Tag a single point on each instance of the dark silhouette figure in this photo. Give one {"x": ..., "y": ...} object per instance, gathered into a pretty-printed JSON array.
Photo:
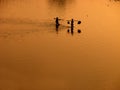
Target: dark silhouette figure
[
  {"x": 57, "y": 21},
  {"x": 72, "y": 26},
  {"x": 72, "y": 23},
  {"x": 57, "y": 24}
]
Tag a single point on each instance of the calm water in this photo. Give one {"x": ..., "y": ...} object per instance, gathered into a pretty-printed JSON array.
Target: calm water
[{"x": 36, "y": 56}]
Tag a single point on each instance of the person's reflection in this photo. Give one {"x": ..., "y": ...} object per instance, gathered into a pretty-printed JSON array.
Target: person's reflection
[
  {"x": 57, "y": 28},
  {"x": 71, "y": 22},
  {"x": 71, "y": 30},
  {"x": 72, "y": 26}
]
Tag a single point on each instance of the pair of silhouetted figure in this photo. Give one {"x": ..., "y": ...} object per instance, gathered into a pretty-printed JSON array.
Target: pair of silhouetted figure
[
  {"x": 57, "y": 22},
  {"x": 71, "y": 21}
]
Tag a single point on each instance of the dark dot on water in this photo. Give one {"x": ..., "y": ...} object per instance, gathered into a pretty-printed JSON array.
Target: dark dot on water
[
  {"x": 79, "y": 22},
  {"x": 68, "y": 30},
  {"x": 68, "y": 22},
  {"x": 79, "y": 31}
]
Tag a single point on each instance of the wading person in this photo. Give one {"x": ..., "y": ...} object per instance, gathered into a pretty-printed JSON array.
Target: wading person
[
  {"x": 57, "y": 21},
  {"x": 72, "y": 23}
]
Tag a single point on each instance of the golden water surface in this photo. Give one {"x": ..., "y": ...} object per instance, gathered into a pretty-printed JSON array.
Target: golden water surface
[{"x": 34, "y": 55}]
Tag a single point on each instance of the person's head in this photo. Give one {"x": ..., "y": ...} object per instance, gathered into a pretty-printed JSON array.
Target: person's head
[{"x": 72, "y": 20}]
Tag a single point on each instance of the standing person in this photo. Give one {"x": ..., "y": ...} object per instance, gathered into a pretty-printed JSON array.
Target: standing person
[
  {"x": 72, "y": 23},
  {"x": 72, "y": 26},
  {"x": 57, "y": 21}
]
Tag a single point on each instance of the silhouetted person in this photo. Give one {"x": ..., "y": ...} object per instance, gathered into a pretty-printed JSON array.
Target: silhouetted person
[
  {"x": 72, "y": 26},
  {"x": 57, "y": 21},
  {"x": 72, "y": 23}
]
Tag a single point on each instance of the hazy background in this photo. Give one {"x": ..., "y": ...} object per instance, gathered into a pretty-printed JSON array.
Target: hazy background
[{"x": 36, "y": 56}]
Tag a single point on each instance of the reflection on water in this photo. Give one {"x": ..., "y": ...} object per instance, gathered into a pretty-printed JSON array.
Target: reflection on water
[
  {"x": 60, "y": 3},
  {"x": 114, "y": 0},
  {"x": 35, "y": 54},
  {"x": 58, "y": 7},
  {"x": 12, "y": 27},
  {"x": 25, "y": 21},
  {"x": 22, "y": 26}
]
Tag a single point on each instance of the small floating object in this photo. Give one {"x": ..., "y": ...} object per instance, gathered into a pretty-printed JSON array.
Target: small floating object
[
  {"x": 68, "y": 22},
  {"x": 79, "y": 22},
  {"x": 68, "y": 30},
  {"x": 79, "y": 31}
]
